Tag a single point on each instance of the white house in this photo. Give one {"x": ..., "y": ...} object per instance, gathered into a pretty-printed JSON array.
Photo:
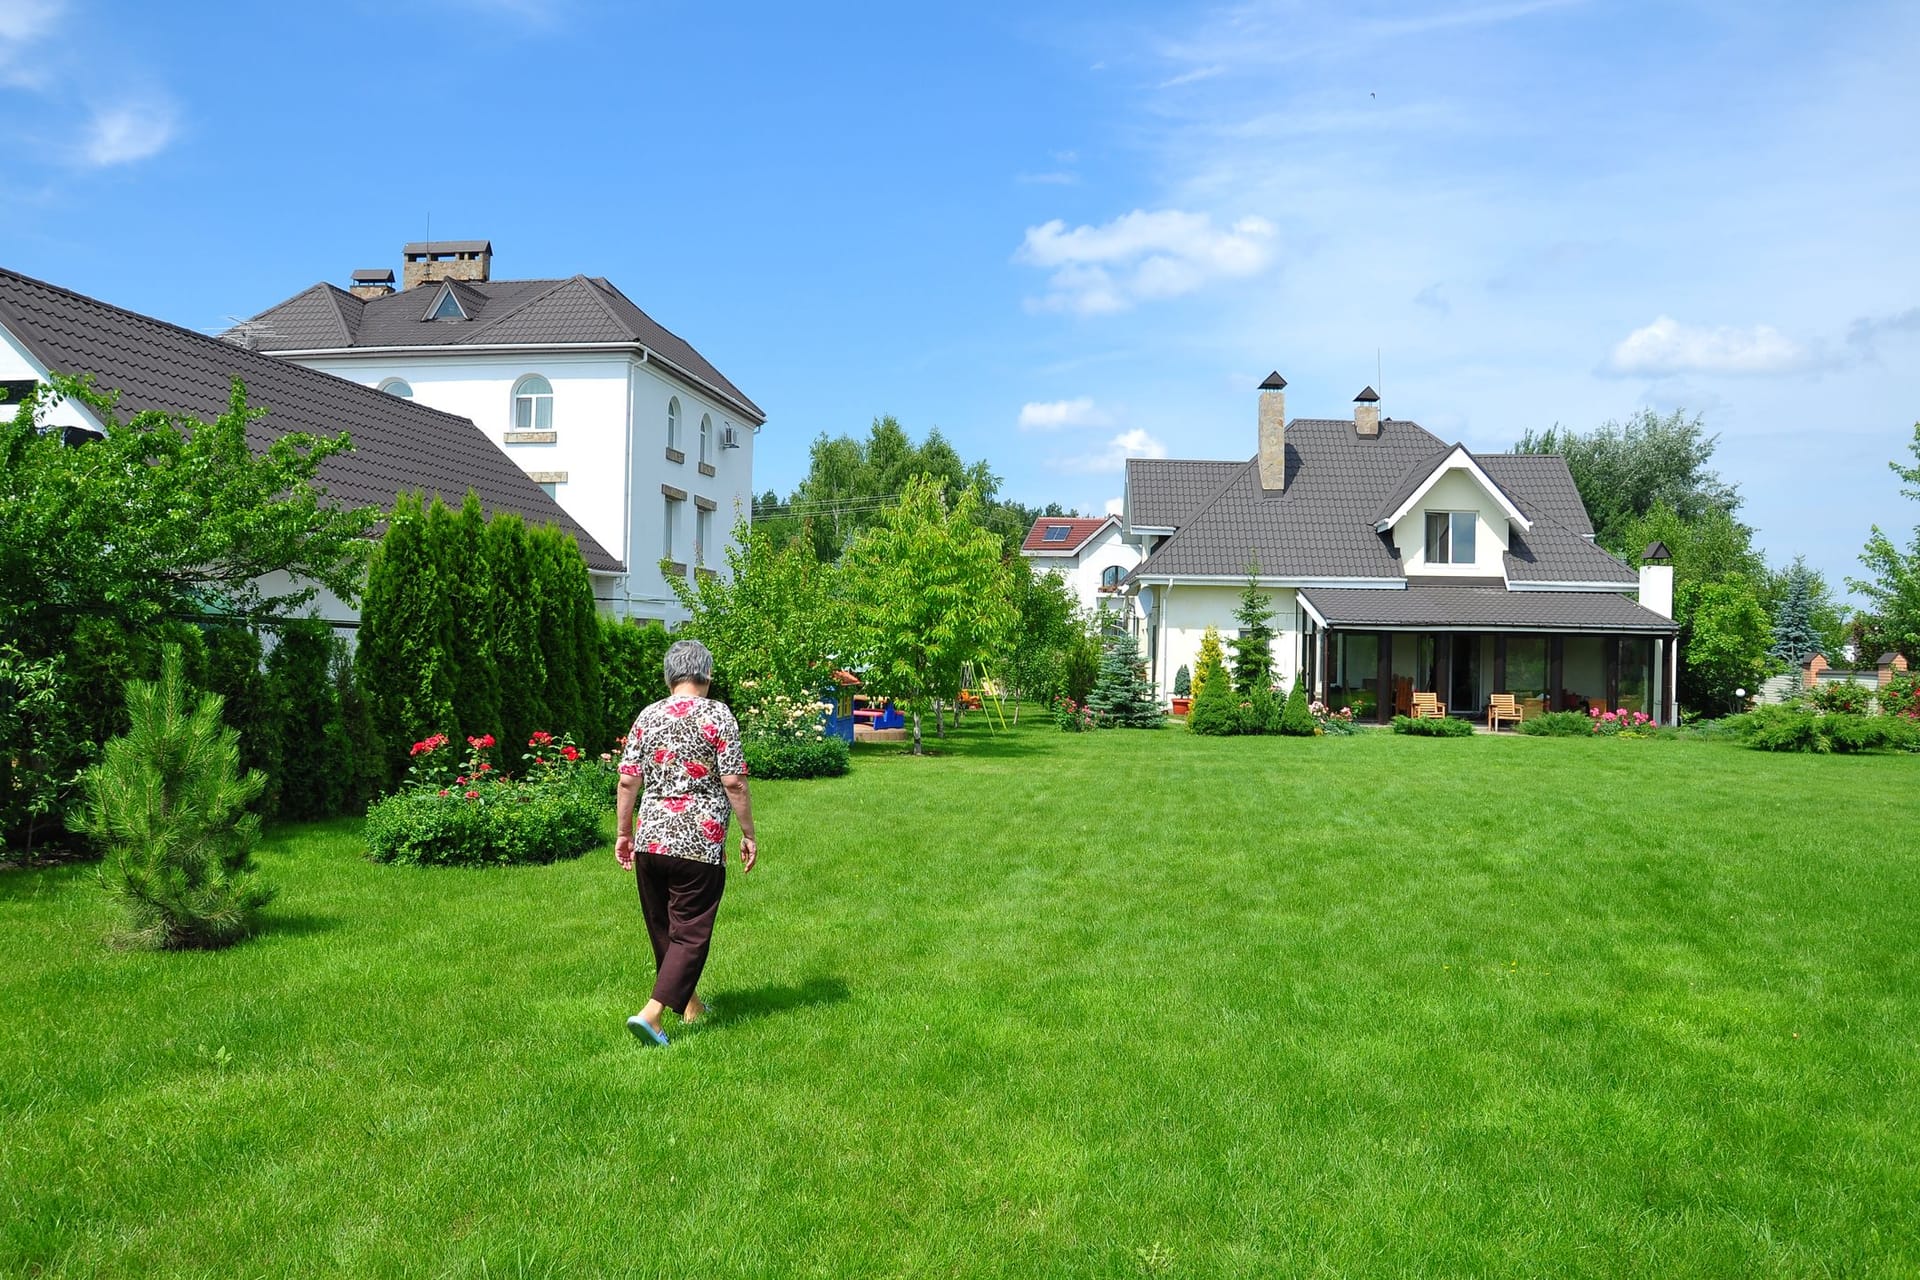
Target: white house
[
  {"x": 1091, "y": 556},
  {"x": 622, "y": 422},
  {"x": 1398, "y": 563},
  {"x": 152, "y": 365}
]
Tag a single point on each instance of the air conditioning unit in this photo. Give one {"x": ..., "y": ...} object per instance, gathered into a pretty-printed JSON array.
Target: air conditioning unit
[{"x": 729, "y": 438}]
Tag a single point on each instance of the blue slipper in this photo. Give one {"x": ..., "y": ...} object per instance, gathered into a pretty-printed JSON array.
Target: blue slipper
[{"x": 641, "y": 1031}]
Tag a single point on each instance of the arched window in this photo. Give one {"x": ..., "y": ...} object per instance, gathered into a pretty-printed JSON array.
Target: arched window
[
  {"x": 673, "y": 423},
  {"x": 706, "y": 439},
  {"x": 533, "y": 404},
  {"x": 397, "y": 387}
]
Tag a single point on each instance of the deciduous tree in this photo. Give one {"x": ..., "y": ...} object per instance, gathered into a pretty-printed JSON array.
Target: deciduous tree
[{"x": 1892, "y": 580}]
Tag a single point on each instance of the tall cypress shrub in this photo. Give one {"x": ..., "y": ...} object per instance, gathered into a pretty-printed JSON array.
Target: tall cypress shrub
[
  {"x": 236, "y": 670},
  {"x": 317, "y": 773},
  {"x": 549, "y": 551},
  {"x": 516, "y": 637},
  {"x": 406, "y": 633},
  {"x": 461, "y": 549}
]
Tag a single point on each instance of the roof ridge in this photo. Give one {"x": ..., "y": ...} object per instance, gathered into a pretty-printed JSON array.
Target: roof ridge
[
  {"x": 1206, "y": 504},
  {"x": 535, "y": 300},
  {"x": 337, "y": 296}
]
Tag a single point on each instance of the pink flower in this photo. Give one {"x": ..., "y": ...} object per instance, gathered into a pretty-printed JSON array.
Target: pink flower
[
  {"x": 676, "y": 804},
  {"x": 710, "y": 733},
  {"x": 473, "y": 795},
  {"x": 679, "y": 707},
  {"x": 714, "y": 831},
  {"x": 572, "y": 753},
  {"x": 696, "y": 769},
  {"x": 443, "y": 792},
  {"x": 662, "y": 755}
]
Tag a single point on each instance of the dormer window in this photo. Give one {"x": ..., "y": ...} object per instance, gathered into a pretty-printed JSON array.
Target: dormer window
[
  {"x": 1450, "y": 536},
  {"x": 533, "y": 404},
  {"x": 1057, "y": 533},
  {"x": 447, "y": 306}
]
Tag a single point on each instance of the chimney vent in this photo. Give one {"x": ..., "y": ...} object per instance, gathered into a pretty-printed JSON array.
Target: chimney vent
[
  {"x": 433, "y": 260},
  {"x": 1366, "y": 412},
  {"x": 372, "y": 282},
  {"x": 1273, "y": 432}
]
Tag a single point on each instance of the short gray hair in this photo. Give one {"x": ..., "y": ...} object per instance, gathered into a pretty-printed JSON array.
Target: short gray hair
[{"x": 688, "y": 660}]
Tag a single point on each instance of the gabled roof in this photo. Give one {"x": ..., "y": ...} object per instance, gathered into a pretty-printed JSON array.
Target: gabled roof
[
  {"x": 397, "y": 444},
  {"x": 1074, "y": 532},
  {"x": 1420, "y": 480},
  {"x": 1165, "y": 493},
  {"x": 534, "y": 313},
  {"x": 1322, "y": 525}
]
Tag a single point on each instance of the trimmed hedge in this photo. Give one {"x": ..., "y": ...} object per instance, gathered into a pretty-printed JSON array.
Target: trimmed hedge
[
  {"x": 1559, "y": 724},
  {"x": 822, "y": 758},
  {"x": 1436, "y": 727},
  {"x": 523, "y": 825}
]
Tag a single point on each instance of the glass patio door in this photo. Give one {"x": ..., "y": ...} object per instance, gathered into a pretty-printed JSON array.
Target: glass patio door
[{"x": 1463, "y": 692}]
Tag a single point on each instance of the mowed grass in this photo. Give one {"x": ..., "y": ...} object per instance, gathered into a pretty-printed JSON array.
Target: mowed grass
[{"x": 1045, "y": 1005}]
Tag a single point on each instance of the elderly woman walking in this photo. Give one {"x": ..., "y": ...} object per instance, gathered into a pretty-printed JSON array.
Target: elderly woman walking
[{"x": 684, "y": 767}]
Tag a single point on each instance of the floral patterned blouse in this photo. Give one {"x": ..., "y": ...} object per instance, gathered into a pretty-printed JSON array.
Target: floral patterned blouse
[{"x": 680, "y": 748}]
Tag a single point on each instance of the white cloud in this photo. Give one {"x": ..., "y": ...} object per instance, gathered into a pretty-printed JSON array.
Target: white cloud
[
  {"x": 1141, "y": 256},
  {"x": 1113, "y": 455},
  {"x": 1667, "y": 347},
  {"x": 1055, "y": 415},
  {"x": 1116, "y": 506},
  {"x": 129, "y": 132},
  {"x": 1190, "y": 77},
  {"x": 22, "y": 22}
]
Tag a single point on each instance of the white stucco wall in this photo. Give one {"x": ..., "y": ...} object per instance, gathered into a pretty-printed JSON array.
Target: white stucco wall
[
  {"x": 1456, "y": 490},
  {"x": 1082, "y": 570},
  {"x": 610, "y": 427},
  {"x": 1185, "y": 612}
]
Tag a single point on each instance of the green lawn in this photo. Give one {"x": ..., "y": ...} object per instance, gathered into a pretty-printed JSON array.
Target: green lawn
[{"x": 1047, "y": 1005}]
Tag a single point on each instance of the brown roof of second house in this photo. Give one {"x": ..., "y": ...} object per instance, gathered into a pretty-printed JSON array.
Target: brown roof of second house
[
  {"x": 398, "y": 445},
  {"x": 534, "y": 313},
  {"x": 1062, "y": 535}
]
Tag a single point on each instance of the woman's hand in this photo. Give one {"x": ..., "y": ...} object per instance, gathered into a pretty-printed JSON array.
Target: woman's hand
[
  {"x": 623, "y": 852},
  {"x": 749, "y": 853}
]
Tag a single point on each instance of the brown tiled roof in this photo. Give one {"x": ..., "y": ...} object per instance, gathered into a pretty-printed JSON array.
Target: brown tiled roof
[
  {"x": 397, "y": 444},
  {"x": 1165, "y": 493},
  {"x": 1480, "y": 607},
  {"x": 534, "y": 313},
  {"x": 1078, "y": 531}
]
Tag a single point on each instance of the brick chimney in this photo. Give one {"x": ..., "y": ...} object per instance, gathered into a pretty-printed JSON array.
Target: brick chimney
[
  {"x": 1815, "y": 665},
  {"x": 1366, "y": 412},
  {"x": 433, "y": 260},
  {"x": 1891, "y": 664},
  {"x": 1273, "y": 432},
  {"x": 372, "y": 282}
]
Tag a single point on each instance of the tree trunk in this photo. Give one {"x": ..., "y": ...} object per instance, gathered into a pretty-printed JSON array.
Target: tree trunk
[
  {"x": 939, "y": 720},
  {"x": 916, "y": 732}
]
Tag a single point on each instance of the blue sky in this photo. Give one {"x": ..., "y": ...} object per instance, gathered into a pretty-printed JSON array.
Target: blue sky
[{"x": 1063, "y": 233}]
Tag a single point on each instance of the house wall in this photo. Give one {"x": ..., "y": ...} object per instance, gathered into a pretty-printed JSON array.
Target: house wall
[
  {"x": 1457, "y": 490},
  {"x": 1082, "y": 570},
  {"x": 610, "y": 432},
  {"x": 1185, "y": 612}
]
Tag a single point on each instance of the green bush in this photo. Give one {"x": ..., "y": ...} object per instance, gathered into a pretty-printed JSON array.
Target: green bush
[
  {"x": 1814, "y": 732},
  {"x": 1437, "y": 727},
  {"x": 1182, "y": 682},
  {"x": 822, "y": 758},
  {"x": 468, "y": 812},
  {"x": 1900, "y": 696},
  {"x": 1559, "y": 724},
  {"x": 169, "y": 807},
  {"x": 1296, "y": 718},
  {"x": 1216, "y": 709},
  {"x": 1842, "y": 696},
  {"x": 1260, "y": 710}
]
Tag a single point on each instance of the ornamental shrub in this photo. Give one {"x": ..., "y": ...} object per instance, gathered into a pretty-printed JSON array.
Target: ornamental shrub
[
  {"x": 821, "y": 758},
  {"x": 1901, "y": 697},
  {"x": 1123, "y": 697},
  {"x": 1216, "y": 709},
  {"x": 1260, "y": 710},
  {"x": 1211, "y": 657},
  {"x": 1842, "y": 695},
  {"x": 631, "y": 658},
  {"x": 168, "y": 806},
  {"x": 1558, "y": 724},
  {"x": 1438, "y": 727},
  {"x": 1328, "y": 721},
  {"x": 1182, "y": 682},
  {"x": 454, "y": 811},
  {"x": 1620, "y": 724},
  {"x": 1780, "y": 728},
  {"x": 1296, "y": 717}
]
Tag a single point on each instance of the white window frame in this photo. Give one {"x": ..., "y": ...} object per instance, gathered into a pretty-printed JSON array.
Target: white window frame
[
  {"x": 702, "y": 534},
  {"x": 1452, "y": 536},
  {"x": 673, "y": 519},
  {"x": 673, "y": 423},
  {"x": 706, "y": 439},
  {"x": 533, "y": 399},
  {"x": 399, "y": 388}
]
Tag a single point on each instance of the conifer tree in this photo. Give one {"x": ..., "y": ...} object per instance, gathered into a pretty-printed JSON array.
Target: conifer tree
[
  {"x": 461, "y": 550},
  {"x": 1212, "y": 657},
  {"x": 1215, "y": 710},
  {"x": 1796, "y": 637},
  {"x": 406, "y": 633},
  {"x": 1183, "y": 682},
  {"x": 312, "y": 783},
  {"x": 516, "y": 640},
  {"x": 1296, "y": 718},
  {"x": 1253, "y": 647},
  {"x": 1122, "y": 695},
  {"x": 168, "y": 806}
]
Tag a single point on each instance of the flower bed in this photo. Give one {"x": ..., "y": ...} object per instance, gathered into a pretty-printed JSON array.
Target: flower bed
[
  {"x": 453, "y": 812},
  {"x": 782, "y": 736},
  {"x": 1621, "y": 724}
]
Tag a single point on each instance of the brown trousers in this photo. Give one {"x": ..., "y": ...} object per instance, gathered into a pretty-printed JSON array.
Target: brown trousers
[{"x": 679, "y": 898}]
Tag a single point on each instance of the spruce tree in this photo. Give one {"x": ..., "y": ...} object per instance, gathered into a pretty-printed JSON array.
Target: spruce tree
[
  {"x": 406, "y": 633},
  {"x": 1253, "y": 647},
  {"x": 168, "y": 806},
  {"x": 1122, "y": 695},
  {"x": 1795, "y": 637},
  {"x": 1216, "y": 709}
]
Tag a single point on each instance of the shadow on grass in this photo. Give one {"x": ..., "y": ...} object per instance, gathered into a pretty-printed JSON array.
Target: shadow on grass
[
  {"x": 294, "y": 924},
  {"x": 731, "y": 1008}
]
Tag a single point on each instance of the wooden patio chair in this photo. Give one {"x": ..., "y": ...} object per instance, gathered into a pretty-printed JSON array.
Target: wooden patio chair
[
  {"x": 1427, "y": 706},
  {"x": 1501, "y": 707},
  {"x": 1403, "y": 697}
]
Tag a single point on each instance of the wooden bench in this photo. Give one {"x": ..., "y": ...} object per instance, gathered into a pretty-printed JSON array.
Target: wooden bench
[
  {"x": 1501, "y": 707},
  {"x": 1427, "y": 706}
]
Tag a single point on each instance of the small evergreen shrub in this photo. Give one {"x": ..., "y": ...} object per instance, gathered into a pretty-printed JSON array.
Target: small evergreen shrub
[
  {"x": 1182, "y": 682},
  {"x": 1296, "y": 718},
  {"x": 1260, "y": 710},
  {"x": 470, "y": 813},
  {"x": 821, "y": 758},
  {"x": 1212, "y": 657},
  {"x": 1782, "y": 728},
  {"x": 1558, "y": 724},
  {"x": 1123, "y": 697},
  {"x": 1440, "y": 727},
  {"x": 169, "y": 807}
]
